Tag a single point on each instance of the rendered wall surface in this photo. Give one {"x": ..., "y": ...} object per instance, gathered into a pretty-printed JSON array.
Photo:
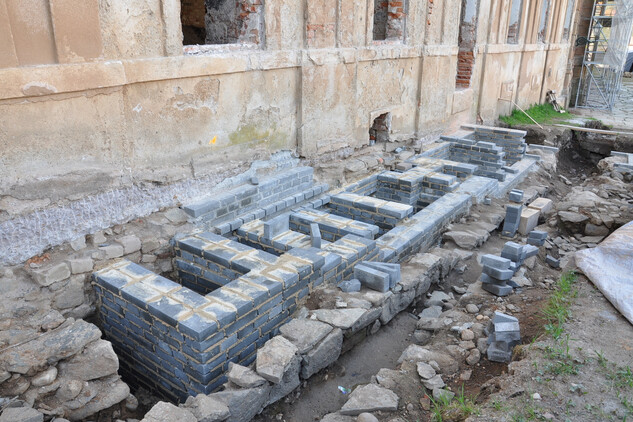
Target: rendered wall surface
[{"x": 116, "y": 101}]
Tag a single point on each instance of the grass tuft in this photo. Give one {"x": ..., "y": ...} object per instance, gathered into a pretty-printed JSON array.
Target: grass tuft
[
  {"x": 556, "y": 312},
  {"x": 542, "y": 113},
  {"x": 456, "y": 409}
]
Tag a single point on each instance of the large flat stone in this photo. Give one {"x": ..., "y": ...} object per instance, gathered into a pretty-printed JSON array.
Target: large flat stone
[
  {"x": 243, "y": 404},
  {"x": 305, "y": 333},
  {"x": 244, "y": 377},
  {"x": 98, "y": 395},
  {"x": 289, "y": 381},
  {"x": 52, "y": 346},
  {"x": 97, "y": 360},
  {"x": 207, "y": 409},
  {"x": 370, "y": 398},
  {"x": 337, "y": 417},
  {"x": 325, "y": 353},
  {"x": 167, "y": 412},
  {"x": 21, "y": 414},
  {"x": 274, "y": 358},
  {"x": 340, "y": 318}
]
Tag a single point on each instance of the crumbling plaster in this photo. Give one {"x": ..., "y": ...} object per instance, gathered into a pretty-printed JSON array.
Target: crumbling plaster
[{"x": 142, "y": 111}]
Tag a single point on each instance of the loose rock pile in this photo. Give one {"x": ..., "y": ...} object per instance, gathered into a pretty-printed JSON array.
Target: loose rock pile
[{"x": 62, "y": 369}]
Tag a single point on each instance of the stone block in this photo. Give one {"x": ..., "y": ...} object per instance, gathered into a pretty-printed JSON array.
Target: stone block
[
  {"x": 512, "y": 251},
  {"x": 529, "y": 220},
  {"x": 21, "y": 414},
  {"x": 80, "y": 265},
  {"x": 552, "y": 262},
  {"x": 370, "y": 398},
  {"x": 497, "y": 290},
  {"x": 516, "y": 195},
  {"x": 497, "y": 273},
  {"x": 51, "y": 274},
  {"x": 315, "y": 236},
  {"x": 274, "y": 358},
  {"x": 372, "y": 278},
  {"x": 129, "y": 243},
  {"x": 340, "y": 318},
  {"x": 276, "y": 226},
  {"x": 496, "y": 262},
  {"x": 537, "y": 234},
  {"x": 305, "y": 333},
  {"x": 112, "y": 251},
  {"x": 245, "y": 403},
  {"x": 244, "y": 377},
  {"x": 324, "y": 354},
  {"x": 167, "y": 412},
  {"x": 349, "y": 286},
  {"x": 392, "y": 269},
  {"x": 499, "y": 352},
  {"x": 544, "y": 205}
]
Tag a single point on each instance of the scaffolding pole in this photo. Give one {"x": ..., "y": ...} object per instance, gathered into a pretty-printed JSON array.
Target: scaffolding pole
[{"x": 606, "y": 47}]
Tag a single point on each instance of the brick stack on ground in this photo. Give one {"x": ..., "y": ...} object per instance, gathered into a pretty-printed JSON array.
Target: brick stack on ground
[
  {"x": 498, "y": 270},
  {"x": 512, "y": 221},
  {"x": 504, "y": 334}
]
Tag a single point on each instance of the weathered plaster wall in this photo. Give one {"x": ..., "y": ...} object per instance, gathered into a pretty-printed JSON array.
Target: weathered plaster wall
[{"x": 119, "y": 104}]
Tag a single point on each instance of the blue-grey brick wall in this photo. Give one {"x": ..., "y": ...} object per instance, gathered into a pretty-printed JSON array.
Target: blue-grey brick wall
[{"x": 179, "y": 342}]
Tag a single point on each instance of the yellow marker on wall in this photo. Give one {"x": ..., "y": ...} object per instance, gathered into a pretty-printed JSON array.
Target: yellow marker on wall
[{"x": 212, "y": 141}]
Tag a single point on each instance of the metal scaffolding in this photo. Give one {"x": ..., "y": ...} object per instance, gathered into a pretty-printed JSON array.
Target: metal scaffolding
[{"x": 606, "y": 48}]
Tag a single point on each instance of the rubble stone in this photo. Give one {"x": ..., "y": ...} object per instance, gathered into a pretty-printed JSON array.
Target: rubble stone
[
  {"x": 274, "y": 358},
  {"x": 21, "y": 414},
  {"x": 207, "y": 409},
  {"x": 167, "y": 412},
  {"x": 305, "y": 333},
  {"x": 244, "y": 377},
  {"x": 324, "y": 354},
  {"x": 370, "y": 398},
  {"x": 243, "y": 404}
]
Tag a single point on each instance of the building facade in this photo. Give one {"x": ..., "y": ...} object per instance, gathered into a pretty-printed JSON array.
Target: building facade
[{"x": 101, "y": 95}]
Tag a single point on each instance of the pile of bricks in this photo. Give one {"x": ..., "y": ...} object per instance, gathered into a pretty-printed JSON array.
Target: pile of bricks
[
  {"x": 536, "y": 238},
  {"x": 377, "y": 276},
  {"x": 504, "y": 334},
  {"x": 497, "y": 271},
  {"x": 512, "y": 220}
]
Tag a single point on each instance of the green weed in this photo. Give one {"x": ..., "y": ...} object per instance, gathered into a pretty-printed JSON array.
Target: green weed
[
  {"x": 563, "y": 363},
  {"x": 542, "y": 113},
  {"x": 457, "y": 408},
  {"x": 556, "y": 312}
]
